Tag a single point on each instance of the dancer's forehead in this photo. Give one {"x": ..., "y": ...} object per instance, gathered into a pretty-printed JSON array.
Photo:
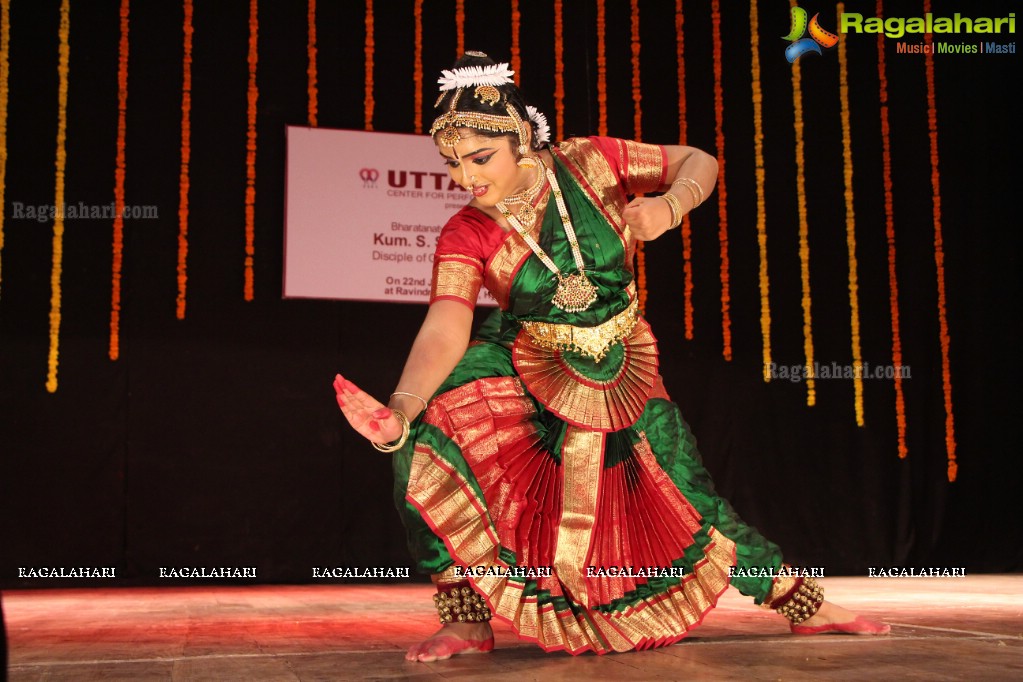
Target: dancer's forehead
[{"x": 470, "y": 144}]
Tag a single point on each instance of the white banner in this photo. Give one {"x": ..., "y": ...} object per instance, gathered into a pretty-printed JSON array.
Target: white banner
[{"x": 363, "y": 213}]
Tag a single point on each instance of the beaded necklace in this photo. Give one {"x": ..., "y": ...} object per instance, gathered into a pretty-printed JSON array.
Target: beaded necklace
[{"x": 575, "y": 292}]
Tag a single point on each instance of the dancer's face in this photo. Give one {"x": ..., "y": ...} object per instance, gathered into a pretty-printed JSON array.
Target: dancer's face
[{"x": 486, "y": 166}]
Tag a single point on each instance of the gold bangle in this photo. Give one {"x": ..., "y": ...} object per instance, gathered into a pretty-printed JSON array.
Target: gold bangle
[
  {"x": 676, "y": 209},
  {"x": 398, "y": 444},
  {"x": 694, "y": 188},
  {"x": 412, "y": 395}
]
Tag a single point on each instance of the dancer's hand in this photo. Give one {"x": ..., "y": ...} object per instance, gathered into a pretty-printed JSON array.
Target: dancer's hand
[
  {"x": 367, "y": 415},
  {"x": 647, "y": 217}
]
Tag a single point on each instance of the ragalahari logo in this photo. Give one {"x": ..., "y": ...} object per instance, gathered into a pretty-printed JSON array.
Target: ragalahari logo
[{"x": 800, "y": 44}]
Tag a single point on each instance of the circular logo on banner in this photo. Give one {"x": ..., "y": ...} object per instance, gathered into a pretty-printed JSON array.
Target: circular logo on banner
[{"x": 369, "y": 177}]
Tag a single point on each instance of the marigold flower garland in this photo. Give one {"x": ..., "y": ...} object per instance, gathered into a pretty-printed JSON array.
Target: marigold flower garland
[
  {"x": 119, "y": 173},
  {"x": 516, "y": 56},
  {"x": 601, "y": 70},
  {"x": 760, "y": 175},
  {"x": 889, "y": 215},
  {"x": 939, "y": 257},
  {"x": 58, "y": 220},
  {"x": 311, "y": 69},
  {"x": 804, "y": 243},
  {"x": 637, "y": 97},
  {"x": 368, "y": 101},
  {"x": 250, "y": 157},
  {"x": 687, "y": 234},
  {"x": 186, "y": 155},
  {"x": 417, "y": 75},
  {"x": 850, "y": 223},
  {"x": 719, "y": 123},
  {"x": 460, "y": 26},
  {"x": 5, "y": 29},
  {"x": 559, "y": 71}
]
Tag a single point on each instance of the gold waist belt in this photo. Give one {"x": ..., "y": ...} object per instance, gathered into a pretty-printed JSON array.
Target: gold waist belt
[{"x": 590, "y": 341}]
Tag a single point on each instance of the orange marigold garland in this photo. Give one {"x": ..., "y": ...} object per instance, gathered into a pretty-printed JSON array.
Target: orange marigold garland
[
  {"x": 5, "y": 31},
  {"x": 311, "y": 69},
  {"x": 889, "y": 215},
  {"x": 250, "y": 157},
  {"x": 417, "y": 75},
  {"x": 687, "y": 234},
  {"x": 186, "y": 155},
  {"x": 637, "y": 97},
  {"x": 601, "y": 71},
  {"x": 58, "y": 220},
  {"x": 760, "y": 174},
  {"x": 850, "y": 225},
  {"x": 719, "y": 121},
  {"x": 460, "y": 26},
  {"x": 939, "y": 257},
  {"x": 368, "y": 49},
  {"x": 516, "y": 56},
  {"x": 119, "y": 173},
  {"x": 804, "y": 230},
  {"x": 559, "y": 72}
]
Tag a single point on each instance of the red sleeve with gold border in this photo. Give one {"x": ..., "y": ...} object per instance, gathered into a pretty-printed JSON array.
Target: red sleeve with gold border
[
  {"x": 458, "y": 260},
  {"x": 640, "y": 167}
]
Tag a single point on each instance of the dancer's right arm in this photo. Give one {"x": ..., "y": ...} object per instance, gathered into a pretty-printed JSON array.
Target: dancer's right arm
[{"x": 439, "y": 345}]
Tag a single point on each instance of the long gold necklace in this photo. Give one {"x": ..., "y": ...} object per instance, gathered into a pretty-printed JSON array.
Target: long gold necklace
[{"x": 575, "y": 292}]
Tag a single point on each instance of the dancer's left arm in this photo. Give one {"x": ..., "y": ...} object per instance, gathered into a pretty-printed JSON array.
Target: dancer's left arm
[{"x": 650, "y": 217}]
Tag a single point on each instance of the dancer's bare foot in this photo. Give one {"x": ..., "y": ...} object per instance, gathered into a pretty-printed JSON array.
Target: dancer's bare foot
[
  {"x": 833, "y": 618},
  {"x": 453, "y": 639}
]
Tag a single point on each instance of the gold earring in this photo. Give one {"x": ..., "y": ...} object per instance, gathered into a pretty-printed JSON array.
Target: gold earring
[{"x": 526, "y": 162}]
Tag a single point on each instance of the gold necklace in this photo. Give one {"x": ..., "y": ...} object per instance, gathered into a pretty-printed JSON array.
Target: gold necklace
[
  {"x": 575, "y": 292},
  {"x": 527, "y": 197}
]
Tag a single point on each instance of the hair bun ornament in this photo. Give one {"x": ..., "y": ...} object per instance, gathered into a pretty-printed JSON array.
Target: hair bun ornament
[
  {"x": 475, "y": 76},
  {"x": 477, "y": 53},
  {"x": 543, "y": 131}
]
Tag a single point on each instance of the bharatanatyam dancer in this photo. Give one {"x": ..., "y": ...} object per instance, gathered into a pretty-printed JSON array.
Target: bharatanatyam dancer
[{"x": 542, "y": 472}]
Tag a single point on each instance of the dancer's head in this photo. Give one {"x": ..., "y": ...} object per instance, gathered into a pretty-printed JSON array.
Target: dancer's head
[{"x": 485, "y": 129}]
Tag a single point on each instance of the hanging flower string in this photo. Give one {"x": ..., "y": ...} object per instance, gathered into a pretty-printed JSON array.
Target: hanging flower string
[
  {"x": 186, "y": 155},
  {"x": 939, "y": 257},
  {"x": 417, "y": 75},
  {"x": 311, "y": 69},
  {"x": 58, "y": 220},
  {"x": 760, "y": 174},
  {"x": 637, "y": 123},
  {"x": 250, "y": 157},
  {"x": 889, "y": 215},
  {"x": 601, "y": 71},
  {"x": 559, "y": 72},
  {"x": 119, "y": 173},
  {"x": 687, "y": 234},
  {"x": 5, "y": 35},
  {"x": 460, "y": 26},
  {"x": 516, "y": 56},
  {"x": 850, "y": 224},
  {"x": 719, "y": 128},
  {"x": 368, "y": 49},
  {"x": 804, "y": 229}
]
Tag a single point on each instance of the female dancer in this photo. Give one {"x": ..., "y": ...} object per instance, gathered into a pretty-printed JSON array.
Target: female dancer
[{"x": 542, "y": 472}]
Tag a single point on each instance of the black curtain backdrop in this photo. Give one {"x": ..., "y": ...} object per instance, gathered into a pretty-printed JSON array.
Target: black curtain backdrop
[{"x": 215, "y": 440}]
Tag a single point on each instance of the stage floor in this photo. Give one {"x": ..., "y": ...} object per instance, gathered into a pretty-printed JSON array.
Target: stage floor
[{"x": 942, "y": 629}]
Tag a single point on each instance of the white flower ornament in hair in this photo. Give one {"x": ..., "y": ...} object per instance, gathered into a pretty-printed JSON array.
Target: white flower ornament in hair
[
  {"x": 470, "y": 76},
  {"x": 543, "y": 131}
]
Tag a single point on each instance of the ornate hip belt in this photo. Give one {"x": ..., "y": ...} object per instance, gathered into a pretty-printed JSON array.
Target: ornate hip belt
[{"x": 593, "y": 342}]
